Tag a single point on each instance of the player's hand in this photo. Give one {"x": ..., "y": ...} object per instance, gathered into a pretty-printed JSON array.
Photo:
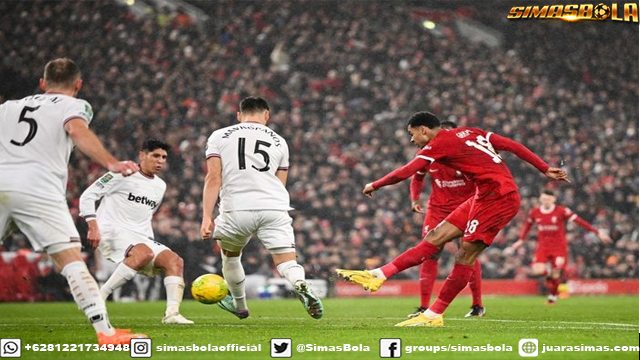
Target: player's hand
[
  {"x": 604, "y": 237},
  {"x": 416, "y": 207},
  {"x": 508, "y": 251},
  {"x": 125, "y": 168},
  {"x": 93, "y": 235},
  {"x": 516, "y": 245},
  {"x": 206, "y": 229},
  {"x": 557, "y": 174},
  {"x": 368, "y": 190}
]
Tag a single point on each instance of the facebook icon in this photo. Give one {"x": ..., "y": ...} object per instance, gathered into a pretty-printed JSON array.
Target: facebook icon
[{"x": 390, "y": 348}]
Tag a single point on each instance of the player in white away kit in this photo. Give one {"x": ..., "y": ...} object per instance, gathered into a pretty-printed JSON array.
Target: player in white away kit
[
  {"x": 247, "y": 168},
  {"x": 121, "y": 228},
  {"x": 37, "y": 137}
]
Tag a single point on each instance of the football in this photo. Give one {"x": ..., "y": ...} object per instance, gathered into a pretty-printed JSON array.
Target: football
[{"x": 209, "y": 289}]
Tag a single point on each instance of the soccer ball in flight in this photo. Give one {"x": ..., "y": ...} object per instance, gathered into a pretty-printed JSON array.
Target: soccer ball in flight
[{"x": 209, "y": 289}]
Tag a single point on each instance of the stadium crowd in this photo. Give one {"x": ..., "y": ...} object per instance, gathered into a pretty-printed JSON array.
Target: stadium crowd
[{"x": 341, "y": 79}]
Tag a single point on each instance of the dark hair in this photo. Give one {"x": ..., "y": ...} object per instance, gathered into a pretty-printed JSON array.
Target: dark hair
[
  {"x": 62, "y": 72},
  {"x": 549, "y": 192},
  {"x": 424, "y": 118},
  {"x": 448, "y": 124},
  {"x": 152, "y": 144},
  {"x": 253, "y": 104}
]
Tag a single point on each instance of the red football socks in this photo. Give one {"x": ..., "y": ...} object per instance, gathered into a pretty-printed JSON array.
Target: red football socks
[
  {"x": 475, "y": 284},
  {"x": 428, "y": 276},
  {"x": 456, "y": 281},
  {"x": 410, "y": 258},
  {"x": 552, "y": 286}
]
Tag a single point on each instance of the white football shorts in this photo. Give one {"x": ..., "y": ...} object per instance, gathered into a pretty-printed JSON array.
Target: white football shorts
[
  {"x": 116, "y": 243},
  {"x": 233, "y": 230},
  {"x": 44, "y": 222}
]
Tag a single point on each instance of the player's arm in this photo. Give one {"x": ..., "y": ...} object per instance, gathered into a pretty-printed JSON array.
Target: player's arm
[
  {"x": 87, "y": 141},
  {"x": 210, "y": 193},
  {"x": 603, "y": 236},
  {"x": 415, "y": 188},
  {"x": 523, "y": 234},
  {"x": 87, "y": 205},
  {"x": 501, "y": 143},
  {"x": 394, "y": 177},
  {"x": 283, "y": 166}
]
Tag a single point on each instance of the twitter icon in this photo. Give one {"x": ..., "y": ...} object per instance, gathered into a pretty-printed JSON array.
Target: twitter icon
[{"x": 280, "y": 348}]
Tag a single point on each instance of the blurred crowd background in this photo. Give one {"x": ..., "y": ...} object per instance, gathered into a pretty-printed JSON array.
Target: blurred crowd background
[{"x": 341, "y": 79}]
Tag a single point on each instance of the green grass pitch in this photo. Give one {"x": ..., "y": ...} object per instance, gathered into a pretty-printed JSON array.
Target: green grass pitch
[{"x": 611, "y": 321}]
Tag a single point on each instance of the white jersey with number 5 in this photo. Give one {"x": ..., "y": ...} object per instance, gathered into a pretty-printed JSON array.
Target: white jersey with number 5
[
  {"x": 251, "y": 153},
  {"x": 34, "y": 146}
]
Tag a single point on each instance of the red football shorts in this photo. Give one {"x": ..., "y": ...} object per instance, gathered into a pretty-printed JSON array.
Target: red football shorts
[
  {"x": 558, "y": 260},
  {"x": 482, "y": 219},
  {"x": 433, "y": 218}
]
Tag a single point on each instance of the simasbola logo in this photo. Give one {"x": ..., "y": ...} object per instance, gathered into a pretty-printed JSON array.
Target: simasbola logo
[{"x": 627, "y": 12}]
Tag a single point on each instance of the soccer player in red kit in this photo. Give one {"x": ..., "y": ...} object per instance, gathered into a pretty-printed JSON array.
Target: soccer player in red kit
[
  {"x": 478, "y": 220},
  {"x": 449, "y": 189},
  {"x": 551, "y": 255}
]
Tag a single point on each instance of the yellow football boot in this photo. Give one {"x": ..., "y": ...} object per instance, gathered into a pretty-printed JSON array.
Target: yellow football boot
[
  {"x": 363, "y": 278},
  {"x": 422, "y": 320}
]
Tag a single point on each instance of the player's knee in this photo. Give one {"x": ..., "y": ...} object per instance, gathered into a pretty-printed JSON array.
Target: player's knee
[
  {"x": 436, "y": 237},
  {"x": 468, "y": 252},
  {"x": 142, "y": 254},
  {"x": 147, "y": 257},
  {"x": 231, "y": 254},
  {"x": 538, "y": 269}
]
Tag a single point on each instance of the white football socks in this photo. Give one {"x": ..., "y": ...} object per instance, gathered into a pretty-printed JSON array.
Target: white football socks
[
  {"x": 430, "y": 314},
  {"x": 120, "y": 276},
  {"x": 86, "y": 294},
  {"x": 234, "y": 275},
  {"x": 292, "y": 271},
  {"x": 377, "y": 272},
  {"x": 175, "y": 290}
]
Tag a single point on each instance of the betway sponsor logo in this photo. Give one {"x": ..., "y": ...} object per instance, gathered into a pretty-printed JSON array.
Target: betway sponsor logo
[{"x": 142, "y": 200}]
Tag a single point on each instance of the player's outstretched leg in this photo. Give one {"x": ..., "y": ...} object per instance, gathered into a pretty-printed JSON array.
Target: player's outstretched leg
[
  {"x": 426, "y": 249},
  {"x": 173, "y": 266},
  {"x": 475, "y": 284},
  {"x": 294, "y": 273},
  {"x": 87, "y": 296},
  {"x": 236, "y": 301},
  {"x": 372, "y": 280},
  {"x": 456, "y": 281}
]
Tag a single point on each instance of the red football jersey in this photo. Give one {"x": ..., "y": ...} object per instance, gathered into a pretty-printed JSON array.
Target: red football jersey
[
  {"x": 552, "y": 234},
  {"x": 474, "y": 152},
  {"x": 449, "y": 187}
]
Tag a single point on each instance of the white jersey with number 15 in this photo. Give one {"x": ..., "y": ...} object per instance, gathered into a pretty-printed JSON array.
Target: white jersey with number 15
[
  {"x": 34, "y": 146},
  {"x": 251, "y": 153}
]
